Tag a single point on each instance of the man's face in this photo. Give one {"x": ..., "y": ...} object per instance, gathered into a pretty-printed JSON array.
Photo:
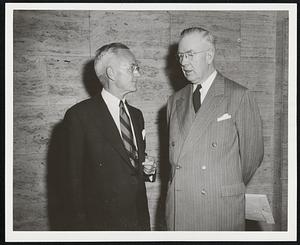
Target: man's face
[
  {"x": 194, "y": 65},
  {"x": 126, "y": 72}
]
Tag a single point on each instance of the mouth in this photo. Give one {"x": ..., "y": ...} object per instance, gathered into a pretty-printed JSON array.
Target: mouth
[{"x": 187, "y": 72}]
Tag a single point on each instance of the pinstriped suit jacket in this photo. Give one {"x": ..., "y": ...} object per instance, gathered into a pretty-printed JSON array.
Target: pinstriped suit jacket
[{"x": 212, "y": 160}]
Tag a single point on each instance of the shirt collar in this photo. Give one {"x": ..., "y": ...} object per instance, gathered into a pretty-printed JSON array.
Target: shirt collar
[
  {"x": 110, "y": 99},
  {"x": 207, "y": 83}
]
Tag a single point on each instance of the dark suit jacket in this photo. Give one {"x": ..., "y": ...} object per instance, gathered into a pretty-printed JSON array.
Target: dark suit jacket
[{"x": 106, "y": 192}]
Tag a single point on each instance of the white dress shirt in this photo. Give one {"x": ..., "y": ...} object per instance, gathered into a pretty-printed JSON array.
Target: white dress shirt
[
  {"x": 206, "y": 85},
  {"x": 113, "y": 103}
]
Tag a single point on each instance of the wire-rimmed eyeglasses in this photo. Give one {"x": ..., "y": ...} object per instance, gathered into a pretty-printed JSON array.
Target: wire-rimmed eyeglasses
[
  {"x": 188, "y": 55},
  {"x": 134, "y": 68}
]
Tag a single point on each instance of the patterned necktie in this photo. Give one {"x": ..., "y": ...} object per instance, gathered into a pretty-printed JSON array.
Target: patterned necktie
[
  {"x": 127, "y": 135},
  {"x": 197, "y": 98}
]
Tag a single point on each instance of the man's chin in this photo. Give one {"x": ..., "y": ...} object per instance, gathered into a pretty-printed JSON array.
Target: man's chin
[
  {"x": 189, "y": 77},
  {"x": 133, "y": 89}
]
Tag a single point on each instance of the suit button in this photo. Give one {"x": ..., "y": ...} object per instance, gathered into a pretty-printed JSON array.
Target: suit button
[
  {"x": 203, "y": 167},
  {"x": 214, "y": 144},
  {"x": 100, "y": 164},
  {"x": 173, "y": 143},
  {"x": 178, "y": 167},
  {"x": 203, "y": 192}
]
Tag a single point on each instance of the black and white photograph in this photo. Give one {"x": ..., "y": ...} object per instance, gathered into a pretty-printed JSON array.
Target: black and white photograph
[{"x": 150, "y": 122}]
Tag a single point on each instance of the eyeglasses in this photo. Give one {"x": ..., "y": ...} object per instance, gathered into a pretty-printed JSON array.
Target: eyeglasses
[
  {"x": 134, "y": 68},
  {"x": 188, "y": 55}
]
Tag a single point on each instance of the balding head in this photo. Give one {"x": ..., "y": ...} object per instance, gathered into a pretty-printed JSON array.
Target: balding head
[
  {"x": 204, "y": 35},
  {"x": 103, "y": 57}
]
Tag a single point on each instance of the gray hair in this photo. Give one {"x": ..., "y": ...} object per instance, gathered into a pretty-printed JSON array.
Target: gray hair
[
  {"x": 206, "y": 35},
  {"x": 101, "y": 55}
]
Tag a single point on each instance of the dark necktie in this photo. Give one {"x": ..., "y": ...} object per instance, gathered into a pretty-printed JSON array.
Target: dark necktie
[
  {"x": 127, "y": 135},
  {"x": 197, "y": 98}
]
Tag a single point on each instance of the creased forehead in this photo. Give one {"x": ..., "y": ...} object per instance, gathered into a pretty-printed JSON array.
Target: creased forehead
[
  {"x": 193, "y": 41},
  {"x": 124, "y": 57}
]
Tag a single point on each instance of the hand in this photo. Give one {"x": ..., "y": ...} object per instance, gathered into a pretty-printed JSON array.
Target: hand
[{"x": 149, "y": 165}]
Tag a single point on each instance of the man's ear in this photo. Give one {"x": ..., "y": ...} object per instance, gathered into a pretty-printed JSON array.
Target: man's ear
[
  {"x": 210, "y": 55},
  {"x": 110, "y": 73}
]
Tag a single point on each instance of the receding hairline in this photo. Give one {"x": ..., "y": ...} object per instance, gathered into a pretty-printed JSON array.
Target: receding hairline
[
  {"x": 204, "y": 34},
  {"x": 112, "y": 48}
]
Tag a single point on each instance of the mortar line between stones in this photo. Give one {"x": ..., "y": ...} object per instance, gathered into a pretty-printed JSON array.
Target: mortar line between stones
[
  {"x": 90, "y": 45},
  {"x": 170, "y": 24}
]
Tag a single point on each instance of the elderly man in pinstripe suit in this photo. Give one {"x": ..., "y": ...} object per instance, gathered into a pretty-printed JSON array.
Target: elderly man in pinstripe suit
[{"x": 215, "y": 143}]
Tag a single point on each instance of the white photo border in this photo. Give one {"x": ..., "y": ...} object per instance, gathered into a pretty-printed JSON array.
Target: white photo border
[{"x": 27, "y": 236}]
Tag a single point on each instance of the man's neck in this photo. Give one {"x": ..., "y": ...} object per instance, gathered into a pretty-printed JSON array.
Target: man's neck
[
  {"x": 120, "y": 96},
  {"x": 211, "y": 71}
]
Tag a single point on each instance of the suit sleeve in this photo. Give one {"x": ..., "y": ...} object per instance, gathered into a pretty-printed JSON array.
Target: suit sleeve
[
  {"x": 168, "y": 111},
  {"x": 249, "y": 126},
  {"x": 143, "y": 150},
  {"x": 74, "y": 140},
  {"x": 142, "y": 126}
]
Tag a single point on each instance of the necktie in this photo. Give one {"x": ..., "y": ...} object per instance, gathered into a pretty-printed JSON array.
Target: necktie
[
  {"x": 197, "y": 98},
  {"x": 127, "y": 135}
]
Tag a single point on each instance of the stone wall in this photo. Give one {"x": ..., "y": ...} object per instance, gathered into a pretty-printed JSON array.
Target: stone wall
[{"x": 53, "y": 53}]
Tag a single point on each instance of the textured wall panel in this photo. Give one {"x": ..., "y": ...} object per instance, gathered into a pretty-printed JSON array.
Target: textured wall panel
[
  {"x": 66, "y": 81},
  {"x": 30, "y": 124},
  {"x": 146, "y": 32},
  {"x": 151, "y": 96},
  {"x": 224, "y": 25},
  {"x": 153, "y": 194},
  {"x": 30, "y": 80},
  {"x": 257, "y": 75},
  {"x": 30, "y": 194},
  {"x": 153, "y": 84},
  {"x": 284, "y": 124},
  {"x": 51, "y": 32},
  {"x": 258, "y": 35}
]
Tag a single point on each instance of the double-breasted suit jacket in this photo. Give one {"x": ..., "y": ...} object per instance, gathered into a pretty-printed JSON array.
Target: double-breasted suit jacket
[
  {"x": 213, "y": 155},
  {"x": 106, "y": 192}
]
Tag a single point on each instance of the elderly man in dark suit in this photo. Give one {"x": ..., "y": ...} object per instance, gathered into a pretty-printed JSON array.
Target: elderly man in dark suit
[
  {"x": 106, "y": 150},
  {"x": 215, "y": 143}
]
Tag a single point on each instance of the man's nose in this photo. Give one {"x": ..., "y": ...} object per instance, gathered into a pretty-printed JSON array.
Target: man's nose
[{"x": 136, "y": 73}]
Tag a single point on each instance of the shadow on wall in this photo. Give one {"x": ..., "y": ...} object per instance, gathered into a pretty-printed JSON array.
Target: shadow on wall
[
  {"x": 90, "y": 79},
  {"x": 59, "y": 215},
  {"x": 58, "y": 205},
  {"x": 164, "y": 168},
  {"x": 173, "y": 69}
]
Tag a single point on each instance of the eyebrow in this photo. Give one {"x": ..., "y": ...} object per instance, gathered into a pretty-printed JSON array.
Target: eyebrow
[{"x": 186, "y": 51}]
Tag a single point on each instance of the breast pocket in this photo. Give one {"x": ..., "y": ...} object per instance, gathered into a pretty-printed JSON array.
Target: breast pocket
[{"x": 223, "y": 132}]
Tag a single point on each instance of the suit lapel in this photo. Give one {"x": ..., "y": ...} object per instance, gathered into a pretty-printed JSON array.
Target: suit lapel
[
  {"x": 107, "y": 126},
  {"x": 207, "y": 112},
  {"x": 137, "y": 132},
  {"x": 185, "y": 111}
]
